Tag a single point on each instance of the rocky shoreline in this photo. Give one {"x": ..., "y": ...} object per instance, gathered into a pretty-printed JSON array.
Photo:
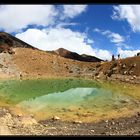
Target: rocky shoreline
[{"x": 26, "y": 125}]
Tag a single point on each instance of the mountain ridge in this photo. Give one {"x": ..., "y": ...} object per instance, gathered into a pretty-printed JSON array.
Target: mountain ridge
[
  {"x": 73, "y": 55},
  {"x": 7, "y": 42}
]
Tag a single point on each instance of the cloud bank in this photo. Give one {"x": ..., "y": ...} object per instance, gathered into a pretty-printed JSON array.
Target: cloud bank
[
  {"x": 130, "y": 13},
  {"x": 54, "y": 38},
  {"x": 14, "y": 18}
]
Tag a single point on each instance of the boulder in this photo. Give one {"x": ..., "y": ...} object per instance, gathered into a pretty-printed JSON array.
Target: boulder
[
  {"x": 55, "y": 118},
  {"x": 124, "y": 66},
  {"x": 77, "y": 122},
  {"x": 125, "y": 72}
]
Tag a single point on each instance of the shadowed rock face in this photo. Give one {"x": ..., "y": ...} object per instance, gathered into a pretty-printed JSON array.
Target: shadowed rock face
[
  {"x": 72, "y": 55},
  {"x": 7, "y": 42},
  {"x": 5, "y": 48}
]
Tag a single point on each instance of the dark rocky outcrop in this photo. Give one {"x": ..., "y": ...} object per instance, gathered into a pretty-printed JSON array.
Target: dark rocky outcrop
[{"x": 7, "y": 42}]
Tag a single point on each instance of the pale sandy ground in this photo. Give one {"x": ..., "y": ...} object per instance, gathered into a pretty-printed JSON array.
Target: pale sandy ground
[
  {"x": 23, "y": 125},
  {"x": 4, "y": 130}
]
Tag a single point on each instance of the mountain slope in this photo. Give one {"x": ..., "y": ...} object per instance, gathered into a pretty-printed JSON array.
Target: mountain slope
[
  {"x": 8, "y": 42},
  {"x": 41, "y": 63},
  {"x": 72, "y": 55}
]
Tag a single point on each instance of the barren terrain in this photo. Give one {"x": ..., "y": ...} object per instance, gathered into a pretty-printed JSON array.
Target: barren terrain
[{"x": 22, "y": 61}]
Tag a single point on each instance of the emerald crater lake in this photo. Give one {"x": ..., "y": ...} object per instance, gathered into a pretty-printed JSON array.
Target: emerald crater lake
[{"x": 69, "y": 99}]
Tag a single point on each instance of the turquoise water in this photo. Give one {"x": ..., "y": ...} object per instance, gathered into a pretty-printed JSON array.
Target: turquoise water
[
  {"x": 16, "y": 91},
  {"x": 65, "y": 97}
]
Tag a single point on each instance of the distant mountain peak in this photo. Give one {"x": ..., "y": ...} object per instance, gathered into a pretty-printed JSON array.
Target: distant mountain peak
[{"x": 72, "y": 55}]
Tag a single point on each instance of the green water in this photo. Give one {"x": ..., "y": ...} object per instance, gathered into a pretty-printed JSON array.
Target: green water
[
  {"x": 16, "y": 91},
  {"x": 67, "y": 98}
]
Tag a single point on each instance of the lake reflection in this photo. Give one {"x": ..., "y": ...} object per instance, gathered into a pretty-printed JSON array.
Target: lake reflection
[
  {"x": 89, "y": 98},
  {"x": 70, "y": 99}
]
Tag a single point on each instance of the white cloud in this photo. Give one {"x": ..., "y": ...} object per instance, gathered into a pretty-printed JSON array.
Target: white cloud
[
  {"x": 16, "y": 17},
  {"x": 13, "y": 18},
  {"x": 54, "y": 38},
  {"x": 64, "y": 24},
  {"x": 123, "y": 45},
  {"x": 127, "y": 53},
  {"x": 89, "y": 41},
  {"x": 104, "y": 54},
  {"x": 97, "y": 30},
  {"x": 73, "y": 10},
  {"x": 114, "y": 37},
  {"x": 130, "y": 13}
]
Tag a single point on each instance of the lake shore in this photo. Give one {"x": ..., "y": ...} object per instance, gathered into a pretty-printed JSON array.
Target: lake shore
[{"x": 23, "y": 125}]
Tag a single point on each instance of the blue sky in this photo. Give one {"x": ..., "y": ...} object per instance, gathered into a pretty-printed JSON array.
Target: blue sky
[{"x": 99, "y": 30}]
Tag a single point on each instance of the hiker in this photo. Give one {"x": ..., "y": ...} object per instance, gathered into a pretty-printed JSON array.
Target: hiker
[
  {"x": 20, "y": 76},
  {"x": 119, "y": 63},
  {"x": 113, "y": 58},
  {"x": 138, "y": 54},
  {"x": 118, "y": 56}
]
